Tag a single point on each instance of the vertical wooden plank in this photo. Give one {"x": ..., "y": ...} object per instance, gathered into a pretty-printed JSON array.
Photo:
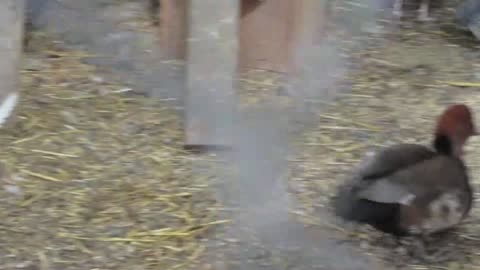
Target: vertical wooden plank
[
  {"x": 308, "y": 29},
  {"x": 11, "y": 41},
  {"x": 309, "y": 23},
  {"x": 317, "y": 61},
  {"x": 211, "y": 68},
  {"x": 264, "y": 34},
  {"x": 173, "y": 27}
]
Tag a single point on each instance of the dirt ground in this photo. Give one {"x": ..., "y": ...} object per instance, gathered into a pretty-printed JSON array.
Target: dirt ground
[
  {"x": 397, "y": 93},
  {"x": 400, "y": 83},
  {"x": 96, "y": 178}
]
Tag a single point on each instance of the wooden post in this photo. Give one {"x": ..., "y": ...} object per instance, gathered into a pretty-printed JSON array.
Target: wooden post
[
  {"x": 309, "y": 28},
  {"x": 317, "y": 63},
  {"x": 264, "y": 34},
  {"x": 11, "y": 40},
  {"x": 173, "y": 27},
  {"x": 211, "y": 68}
]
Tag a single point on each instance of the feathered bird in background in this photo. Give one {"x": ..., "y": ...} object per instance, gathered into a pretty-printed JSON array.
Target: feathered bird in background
[{"x": 468, "y": 15}]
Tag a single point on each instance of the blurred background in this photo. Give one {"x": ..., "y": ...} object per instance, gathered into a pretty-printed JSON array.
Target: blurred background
[{"x": 204, "y": 134}]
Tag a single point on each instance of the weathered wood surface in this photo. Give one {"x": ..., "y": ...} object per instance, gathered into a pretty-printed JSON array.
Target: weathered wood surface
[
  {"x": 309, "y": 29},
  {"x": 211, "y": 67},
  {"x": 265, "y": 34},
  {"x": 11, "y": 40},
  {"x": 173, "y": 27}
]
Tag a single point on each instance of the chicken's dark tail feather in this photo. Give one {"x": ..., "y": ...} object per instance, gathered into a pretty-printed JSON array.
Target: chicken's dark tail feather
[{"x": 384, "y": 217}]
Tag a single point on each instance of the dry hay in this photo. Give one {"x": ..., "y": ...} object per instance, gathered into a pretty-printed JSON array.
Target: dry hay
[
  {"x": 95, "y": 177},
  {"x": 256, "y": 88},
  {"x": 398, "y": 92}
]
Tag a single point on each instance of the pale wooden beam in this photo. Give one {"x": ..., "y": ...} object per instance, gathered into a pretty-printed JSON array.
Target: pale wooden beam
[
  {"x": 11, "y": 41},
  {"x": 173, "y": 27},
  {"x": 211, "y": 67}
]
